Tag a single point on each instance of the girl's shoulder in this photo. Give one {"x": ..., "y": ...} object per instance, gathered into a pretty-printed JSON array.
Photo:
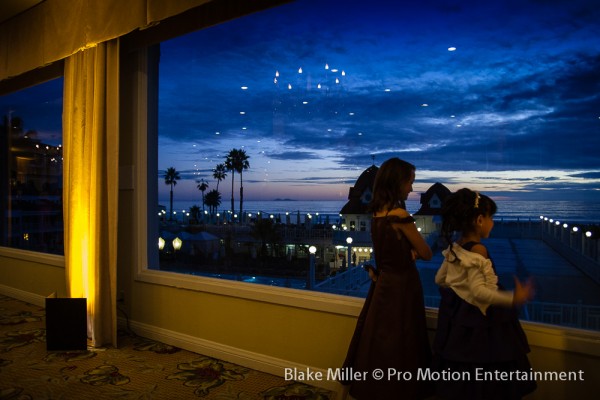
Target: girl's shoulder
[
  {"x": 475, "y": 247},
  {"x": 398, "y": 212},
  {"x": 395, "y": 215}
]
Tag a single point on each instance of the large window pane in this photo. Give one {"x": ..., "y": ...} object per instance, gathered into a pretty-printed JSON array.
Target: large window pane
[
  {"x": 31, "y": 168},
  {"x": 315, "y": 95}
]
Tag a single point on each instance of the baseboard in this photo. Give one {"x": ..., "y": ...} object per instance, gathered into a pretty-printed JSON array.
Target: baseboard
[
  {"x": 22, "y": 295},
  {"x": 248, "y": 359}
]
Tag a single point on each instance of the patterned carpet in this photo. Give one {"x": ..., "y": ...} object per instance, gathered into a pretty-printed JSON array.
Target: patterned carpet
[{"x": 138, "y": 369}]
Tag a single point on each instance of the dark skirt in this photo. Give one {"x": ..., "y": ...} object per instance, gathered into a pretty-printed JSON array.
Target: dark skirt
[
  {"x": 390, "y": 335},
  {"x": 480, "y": 348}
]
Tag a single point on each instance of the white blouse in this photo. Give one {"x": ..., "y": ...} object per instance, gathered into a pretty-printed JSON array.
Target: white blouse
[{"x": 472, "y": 279}]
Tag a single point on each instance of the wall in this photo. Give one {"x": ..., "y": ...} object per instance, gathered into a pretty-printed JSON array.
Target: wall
[{"x": 31, "y": 277}]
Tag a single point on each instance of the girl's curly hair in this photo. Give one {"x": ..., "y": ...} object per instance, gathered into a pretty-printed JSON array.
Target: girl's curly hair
[{"x": 461, "y": 209}]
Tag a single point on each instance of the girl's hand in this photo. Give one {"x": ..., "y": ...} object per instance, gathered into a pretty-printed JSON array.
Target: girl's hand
[
  {"x": 524, "y": 292},
  {"x": 372, "y": 273},
  {"x": 415, "y": 255}
]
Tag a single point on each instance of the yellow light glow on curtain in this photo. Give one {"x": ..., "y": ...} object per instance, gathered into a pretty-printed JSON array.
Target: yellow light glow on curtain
[{"x": 90, "y": 183}]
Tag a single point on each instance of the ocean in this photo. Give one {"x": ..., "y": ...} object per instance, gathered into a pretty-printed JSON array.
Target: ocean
[{"x": 565, "y": 211}]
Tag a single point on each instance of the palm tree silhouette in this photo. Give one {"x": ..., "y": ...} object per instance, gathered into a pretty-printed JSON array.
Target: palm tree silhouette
[
  {"x": 171, "y": 178},
  {"x": 202, "y": 186},
  {"x": 219, "y": 173},
  {"x": 194, "y": 213},
  {"x": 241, "y": 165},
  {"x": 213, "y": 200},
  {"x": 237, "y": 161},
  {"x": 229, "y": 165}
]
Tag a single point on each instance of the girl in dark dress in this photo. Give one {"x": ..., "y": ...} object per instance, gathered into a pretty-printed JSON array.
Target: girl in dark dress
[
  {"x": 478, "y": 326},
  {"x": 391, "y": 332}
]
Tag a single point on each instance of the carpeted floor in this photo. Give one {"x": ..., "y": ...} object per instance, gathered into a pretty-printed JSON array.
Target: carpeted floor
[{"x": 138, "y": 369}]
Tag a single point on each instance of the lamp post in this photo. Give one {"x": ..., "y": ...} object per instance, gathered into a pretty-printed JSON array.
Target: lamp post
[
  {"x": 176, "y": 245},
  {"x": 310, "y": 283},
  {"x": 349, "y": 242}
]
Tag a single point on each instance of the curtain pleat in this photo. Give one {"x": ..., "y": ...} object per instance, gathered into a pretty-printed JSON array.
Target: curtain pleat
[{"x": 90, "y": 178}]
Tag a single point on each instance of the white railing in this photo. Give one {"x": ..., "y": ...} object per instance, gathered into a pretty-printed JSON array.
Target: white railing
[{"x": 570, "y": 315}]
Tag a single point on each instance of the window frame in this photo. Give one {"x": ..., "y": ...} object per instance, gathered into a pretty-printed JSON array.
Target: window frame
[
  {"x": 11, "y": 85},
  {"x": 146, "y": 161}
]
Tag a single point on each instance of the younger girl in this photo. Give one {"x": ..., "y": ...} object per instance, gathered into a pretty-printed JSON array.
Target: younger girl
[{"x": 478, "y": 326}]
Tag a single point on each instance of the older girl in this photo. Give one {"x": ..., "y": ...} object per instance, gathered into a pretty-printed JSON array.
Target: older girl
[{"x": 391, "y": 331}]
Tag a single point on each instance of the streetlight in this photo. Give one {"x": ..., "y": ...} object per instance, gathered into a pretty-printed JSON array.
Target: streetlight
[
  {"x": 310, "y": 283},
  {"x": 349, "y": 242},
  {"x": 177, "y": 244}
]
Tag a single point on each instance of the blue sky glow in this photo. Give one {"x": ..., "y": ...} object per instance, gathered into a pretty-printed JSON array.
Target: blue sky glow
[{"x": 513, "y": 111}]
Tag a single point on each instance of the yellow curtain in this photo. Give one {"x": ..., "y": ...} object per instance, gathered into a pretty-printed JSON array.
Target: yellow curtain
[{"x": 90, "y": 180}]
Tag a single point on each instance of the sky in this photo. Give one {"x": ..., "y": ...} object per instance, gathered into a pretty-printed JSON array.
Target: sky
[{"x": 499, "y": 96}]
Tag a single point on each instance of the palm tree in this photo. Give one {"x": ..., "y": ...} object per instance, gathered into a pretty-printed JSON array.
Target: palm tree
[
  {"x": 230, "y": 166},
  {"x": 171, "y": 178},
  {"x": 213, "y": 200},
  {"x": 265, "y": 231},
  {"x": 220, "y": 173},
  {"x": 242, "y": 164},
  {"x": 202, "y": 186},
  {"x": 237, "y": 161},
  {"x": 194, "y": 213}
]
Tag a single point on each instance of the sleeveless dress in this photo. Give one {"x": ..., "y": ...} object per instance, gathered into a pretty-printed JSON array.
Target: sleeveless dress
[
  {"x": 391, "y": 330},
  {"x": 467, "y": 340}
]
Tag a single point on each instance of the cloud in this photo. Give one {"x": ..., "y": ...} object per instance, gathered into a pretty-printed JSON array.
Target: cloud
[{"x": 520, "y": 93}]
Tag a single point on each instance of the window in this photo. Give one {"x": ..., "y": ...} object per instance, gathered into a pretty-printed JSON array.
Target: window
[
  {"x": 306, "y": 106},
  {"x": 31, "y": 168}
]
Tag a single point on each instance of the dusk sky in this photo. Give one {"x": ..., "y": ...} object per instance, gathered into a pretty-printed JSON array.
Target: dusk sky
[{"x": 500, "y": 96}]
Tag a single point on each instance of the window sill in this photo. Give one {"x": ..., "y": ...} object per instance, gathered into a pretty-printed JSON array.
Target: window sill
[
  {"x": 33, "y": 256},
  {"x": 306, "y": 299}
]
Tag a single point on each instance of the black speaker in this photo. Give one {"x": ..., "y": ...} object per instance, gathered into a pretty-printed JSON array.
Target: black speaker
[{"x": 66, "y": 324}]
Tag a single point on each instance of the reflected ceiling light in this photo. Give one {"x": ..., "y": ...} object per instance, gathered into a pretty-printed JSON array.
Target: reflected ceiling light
[
  {"x": 343, "y": 73},
  {"x": 275, "y": 80},
  {"x": 350, "y": 113},
  {"x": 334, "y": 70},
  {"x": 244, "y": 87},
  {"x": 359, "y": 133},
  {"x": 300, "y": 70},
  {"x": 387, "y": 90},
  {"x": 305, "y": 102},
  {"x": 319, "y": 86},
  {"x": 326, "y": 66},
  {"x": 276, "y": 73},
  {"x": 337, "y": 80},
  {"x": 241, "y": 112},
  {"x": 451, "y": 48},
  {"x": 424, "y": 105},
  {"x": 452, "y": 116},
  {"x": 289, "y": 86},
  {"x": 217, "y": 133},
  {"x": 244, "y": 128}
]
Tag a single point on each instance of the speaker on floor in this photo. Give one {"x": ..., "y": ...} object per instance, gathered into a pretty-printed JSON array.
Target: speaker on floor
[{"x": 66, "y": 324}]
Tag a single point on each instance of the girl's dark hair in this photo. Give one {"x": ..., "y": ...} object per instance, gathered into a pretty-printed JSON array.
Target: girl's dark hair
[
  {"x": 461, "y": 209},
  {"x": 390, "y": 177}
]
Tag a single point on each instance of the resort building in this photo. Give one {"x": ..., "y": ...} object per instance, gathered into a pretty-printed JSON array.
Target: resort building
[
  {"x": 428, "y": 217},
  {"x": 354, "y": 235}
]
